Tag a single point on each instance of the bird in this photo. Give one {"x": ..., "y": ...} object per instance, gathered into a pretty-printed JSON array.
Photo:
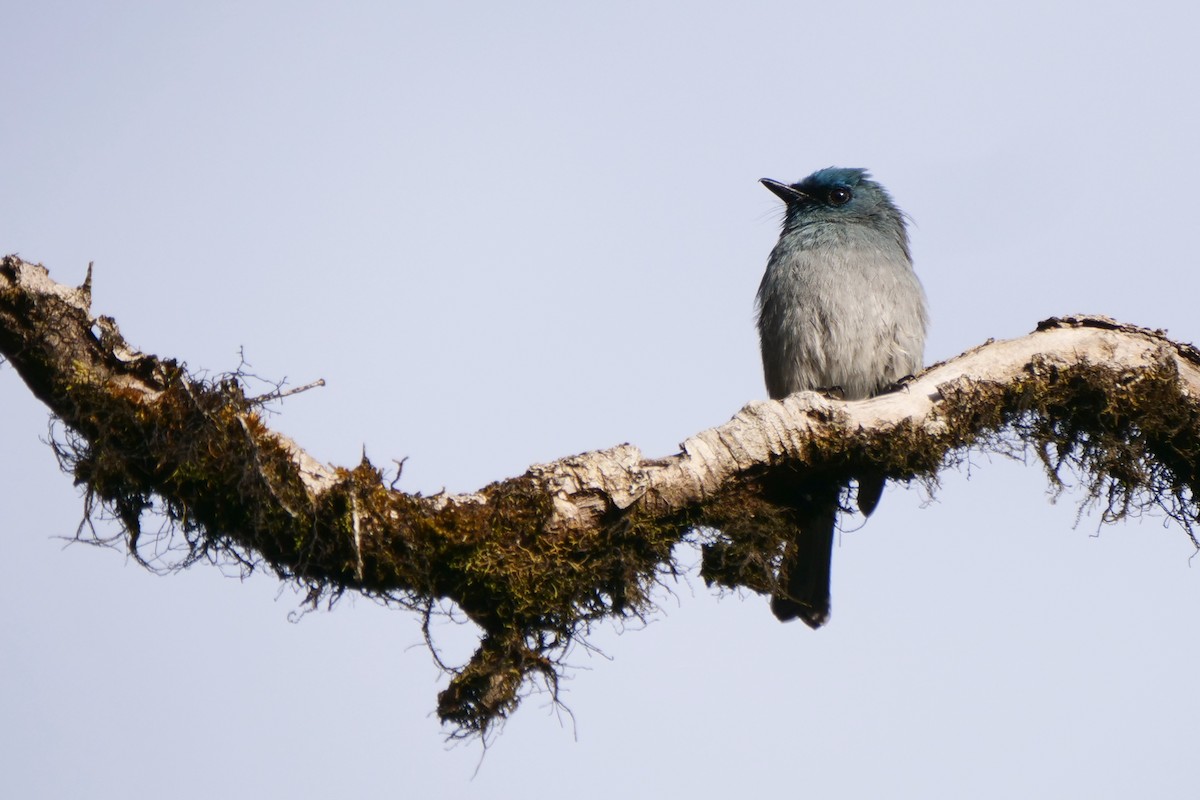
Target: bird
[{"x": 840, "y": 310}]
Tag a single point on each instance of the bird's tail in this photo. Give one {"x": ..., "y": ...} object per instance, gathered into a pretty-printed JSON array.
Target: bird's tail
[{"x": 804, "y": 572}]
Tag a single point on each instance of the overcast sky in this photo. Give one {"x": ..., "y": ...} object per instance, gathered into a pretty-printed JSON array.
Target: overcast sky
[{"x": 505, "y": 233}]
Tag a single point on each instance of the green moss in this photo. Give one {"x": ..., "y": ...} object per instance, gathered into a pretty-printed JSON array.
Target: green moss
[{"x": 229, "y": 491}]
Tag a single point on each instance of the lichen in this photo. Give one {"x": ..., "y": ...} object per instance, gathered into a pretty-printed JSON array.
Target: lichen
[{"x": 144, "y": 436}]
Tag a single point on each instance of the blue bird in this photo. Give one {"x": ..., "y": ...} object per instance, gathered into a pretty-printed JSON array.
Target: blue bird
[{"x": 839, "y": 309}]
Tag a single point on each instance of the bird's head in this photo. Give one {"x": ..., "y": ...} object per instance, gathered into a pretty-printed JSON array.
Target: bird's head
[{"x": 836, "y": 194}]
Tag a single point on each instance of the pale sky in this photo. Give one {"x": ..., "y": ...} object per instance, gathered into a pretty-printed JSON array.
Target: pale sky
[{"x": 506, "y": 233}]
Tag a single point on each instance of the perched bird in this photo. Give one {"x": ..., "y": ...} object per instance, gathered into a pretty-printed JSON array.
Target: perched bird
[{"x": 839, "y": 309}]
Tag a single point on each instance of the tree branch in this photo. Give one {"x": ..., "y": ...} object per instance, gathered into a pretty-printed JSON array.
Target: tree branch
[{"x": 535, "y": 559}]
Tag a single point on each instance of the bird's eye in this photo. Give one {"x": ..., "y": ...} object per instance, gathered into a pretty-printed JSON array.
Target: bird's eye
[{"x": 839, "y": 196}]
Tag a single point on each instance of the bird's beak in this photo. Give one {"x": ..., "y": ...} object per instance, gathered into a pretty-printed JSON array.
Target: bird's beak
[{"x": 788, "y": 194}]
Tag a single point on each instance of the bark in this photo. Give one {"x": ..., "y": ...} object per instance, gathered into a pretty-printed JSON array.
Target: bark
[{"x": 535, "y": 559}]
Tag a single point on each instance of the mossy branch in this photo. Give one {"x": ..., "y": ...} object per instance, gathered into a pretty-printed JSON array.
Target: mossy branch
[{"x": 536, "y": 559}]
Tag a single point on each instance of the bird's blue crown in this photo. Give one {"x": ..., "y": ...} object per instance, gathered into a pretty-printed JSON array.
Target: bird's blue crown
[{"x": 833, "y": 176}]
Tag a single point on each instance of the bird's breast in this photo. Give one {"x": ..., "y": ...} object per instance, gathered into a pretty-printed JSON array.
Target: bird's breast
[{"x": 839, "y": 314}]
